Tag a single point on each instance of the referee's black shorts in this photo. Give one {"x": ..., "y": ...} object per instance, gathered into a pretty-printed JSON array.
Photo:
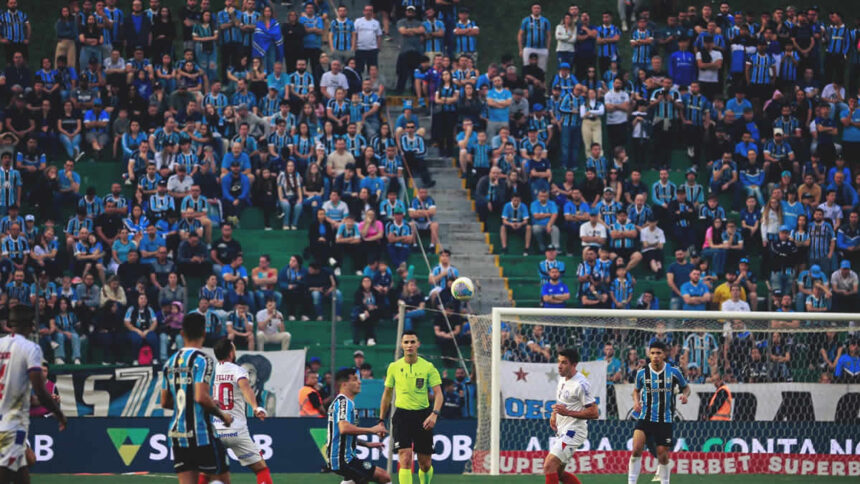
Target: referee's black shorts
[
  {"x": 409, "y": 433},
  {"x": 661, "y": 433},
  {"x": 209, "y": 459}
]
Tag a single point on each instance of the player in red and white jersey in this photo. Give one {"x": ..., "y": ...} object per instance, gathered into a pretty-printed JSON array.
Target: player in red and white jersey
[
  {"x": 574, "y": 405},
  {"x": 233, "y": 392},
  {"x": 20, "y": 374}
]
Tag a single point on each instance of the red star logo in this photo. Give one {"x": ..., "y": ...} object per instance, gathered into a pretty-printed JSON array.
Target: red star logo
[{"x": 521, "y": 375}]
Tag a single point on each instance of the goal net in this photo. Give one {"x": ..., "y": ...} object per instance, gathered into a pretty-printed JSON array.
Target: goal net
[{"x": 795, "y": 406}]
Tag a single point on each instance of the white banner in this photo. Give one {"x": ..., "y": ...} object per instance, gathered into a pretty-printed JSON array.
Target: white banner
[
  {"x": 276, "y": 377},
  {"x": 528, "y": 389},
  {"x": 766, "y": 401}
]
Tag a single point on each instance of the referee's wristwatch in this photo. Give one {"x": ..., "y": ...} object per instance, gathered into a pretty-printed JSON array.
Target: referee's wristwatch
[{"x": 435, "y": 412}]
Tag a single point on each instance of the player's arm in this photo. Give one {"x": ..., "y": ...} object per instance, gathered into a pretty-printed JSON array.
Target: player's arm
[
  {"x": 250, "y": 399},
  {"x": 348, "y": 428},
  {"x": 37, "y": 380},
  {"x": 166, "y": 400}
]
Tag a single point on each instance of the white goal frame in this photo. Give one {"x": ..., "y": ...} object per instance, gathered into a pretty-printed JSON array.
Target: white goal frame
[{"x": 512, "y": 312}]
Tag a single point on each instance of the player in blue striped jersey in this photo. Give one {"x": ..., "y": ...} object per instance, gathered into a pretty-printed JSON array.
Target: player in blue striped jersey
[
  {"x": 343, "y": 432},
  {"x": 654, "y": 402},
  {"x": 186, "y": 390}
]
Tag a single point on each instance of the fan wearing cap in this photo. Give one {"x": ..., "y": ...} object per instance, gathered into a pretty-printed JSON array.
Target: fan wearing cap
[
  {"x": 96, "y": 123},
  {"x": 843, "y": 283}
]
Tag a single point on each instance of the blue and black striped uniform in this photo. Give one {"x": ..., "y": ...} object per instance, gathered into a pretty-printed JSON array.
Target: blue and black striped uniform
[
  {"x": 433, "y": 44},
  {"x": 340, "y": 448},
  {"x": 609, "y": 50},
  {"x": 12, "y": 26},
  {"x": 837, "y": 39},
  {"x": 342, "y": 34},
  {"x": 657, "y": 392},
  {"x": 760, "y": 68},
  {"x": 465, "y": 44},
  {"x": 191, "y": 425},
  {"x": 10, "y": 182},
  {"x": 536, "y": 32},
  {"x": 695, "y": 107}
]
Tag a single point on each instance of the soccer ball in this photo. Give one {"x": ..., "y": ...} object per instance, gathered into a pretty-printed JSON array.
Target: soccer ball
[{"x": 462, "y": 289}]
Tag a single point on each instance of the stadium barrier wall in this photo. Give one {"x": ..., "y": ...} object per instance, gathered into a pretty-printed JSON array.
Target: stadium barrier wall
[
  {"x": 118, "y": 445},
  {"x": 135, "y": 391}
]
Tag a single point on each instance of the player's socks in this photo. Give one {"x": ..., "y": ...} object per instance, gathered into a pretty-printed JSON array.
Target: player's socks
[
  {"x": 665, "y": 472},
  {"x": 568, "y": 478},
  {"x": 264, "y": 476},
  {"x": 633, "y": 469},
  {"x": 658, "y": 473},
  {"x": 551, "y": 478},
  {"x": 405, "y": 476},
  {"x": 202, "y": 479},
  {"x": 425, "y": 477}
]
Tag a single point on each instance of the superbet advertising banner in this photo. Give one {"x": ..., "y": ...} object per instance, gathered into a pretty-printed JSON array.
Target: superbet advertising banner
[{"x": 297, "y": 445}]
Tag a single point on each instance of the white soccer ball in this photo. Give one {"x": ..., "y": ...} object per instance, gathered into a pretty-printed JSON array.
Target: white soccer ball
[{"x": 462, "y": 289}]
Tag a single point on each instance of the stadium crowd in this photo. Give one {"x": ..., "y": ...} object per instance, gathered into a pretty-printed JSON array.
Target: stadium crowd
[{"x": 289, "y": 116}]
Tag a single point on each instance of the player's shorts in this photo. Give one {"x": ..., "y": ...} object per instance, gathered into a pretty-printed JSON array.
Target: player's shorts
[
  {"x": 13, "y": 446},
  {"x": 243, "y": 446},
  {"x": 566, "y": 444},
  {"x": 357, "y": 470},
  {"x": 409, "y": 433},
  {"x": 660, "y": 432},
  {"x": 209, "y": 459}
]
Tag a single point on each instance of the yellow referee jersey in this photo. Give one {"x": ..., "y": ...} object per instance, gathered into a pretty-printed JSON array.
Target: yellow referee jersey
[{"x": 411, "y": 382}]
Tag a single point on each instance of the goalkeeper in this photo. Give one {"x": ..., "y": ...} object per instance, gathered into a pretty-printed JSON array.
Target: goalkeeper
[{"x": 413, "y": 420}]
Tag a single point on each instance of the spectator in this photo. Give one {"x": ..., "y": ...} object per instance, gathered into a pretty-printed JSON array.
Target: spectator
[
  {"x": 365, "y": 313},
  {"x": 322, "y": 286},
  {"x": 848, "y": 365},
  {"x": 265, "y": 279},
  {"x": 140, "y": 324},
  {"x": 652, "y": 239}
]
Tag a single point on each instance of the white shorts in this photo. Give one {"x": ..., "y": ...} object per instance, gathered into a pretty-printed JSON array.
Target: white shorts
[
  {"x": 565, "y": 445},
  {"x": 13, "y": 445},
  {"x": 240, "y": 442}
]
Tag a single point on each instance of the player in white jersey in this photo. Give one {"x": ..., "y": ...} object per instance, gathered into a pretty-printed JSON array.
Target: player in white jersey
[
  {"x": 20, "y": 374},
  {"x": 233, "y": 392},
  {"x": 574, "y": 405}
]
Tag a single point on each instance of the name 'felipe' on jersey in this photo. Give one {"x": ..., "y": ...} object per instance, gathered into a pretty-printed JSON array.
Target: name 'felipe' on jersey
[
  {"x": 229, "y": 395},
  {"x": 575, "y": 394},
  {"x": 18, "y": 356}
]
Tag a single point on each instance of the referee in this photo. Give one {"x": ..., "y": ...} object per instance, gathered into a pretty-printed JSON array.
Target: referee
[{"x": 413, "y": 421}]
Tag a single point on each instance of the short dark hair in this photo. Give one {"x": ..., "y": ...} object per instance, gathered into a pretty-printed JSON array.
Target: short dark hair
[
  {"x": 409, "y": 332},
  {"x": 194, "y": 326},
  {"x": 657, "y": 344},
  {"x": 571, "y": 354},
  {"x": 343, "y": 375},
  {"x": 223, "y": 348}
]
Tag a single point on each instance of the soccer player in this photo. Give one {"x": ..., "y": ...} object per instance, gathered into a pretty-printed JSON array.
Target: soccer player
[
  {"x": 185, "y": 389},
  {"x": 231, "y": 380},
  {"x": 413, "y": 420},
  {"x": 21, "y": 363},
  {"x": 343, "y": 430},
  {"x": 575, "y": 404},
  {"x": 653, "y": 401}
]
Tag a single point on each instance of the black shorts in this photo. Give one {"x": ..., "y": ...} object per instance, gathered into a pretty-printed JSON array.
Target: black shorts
[
  {"x": 661, "y": 433},
  {"x": 209, "y": 459},
  {"x": 409, "y": 433},
  {"x": 357, "y": 470},
  {"x": 624, "y": 253},
  {"x": 649, "y": 255}
]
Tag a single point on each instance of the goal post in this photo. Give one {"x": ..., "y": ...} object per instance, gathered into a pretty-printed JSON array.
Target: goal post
[{"x": 508, "y": 336}]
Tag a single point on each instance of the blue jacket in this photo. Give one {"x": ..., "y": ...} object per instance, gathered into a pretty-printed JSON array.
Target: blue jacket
[{"x": 246, "y": 188}]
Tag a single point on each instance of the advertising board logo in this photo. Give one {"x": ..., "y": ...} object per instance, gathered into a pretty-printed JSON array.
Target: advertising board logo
[
  {"x": 127, "y": 442},
  {"x": 320, "y": 436}
]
